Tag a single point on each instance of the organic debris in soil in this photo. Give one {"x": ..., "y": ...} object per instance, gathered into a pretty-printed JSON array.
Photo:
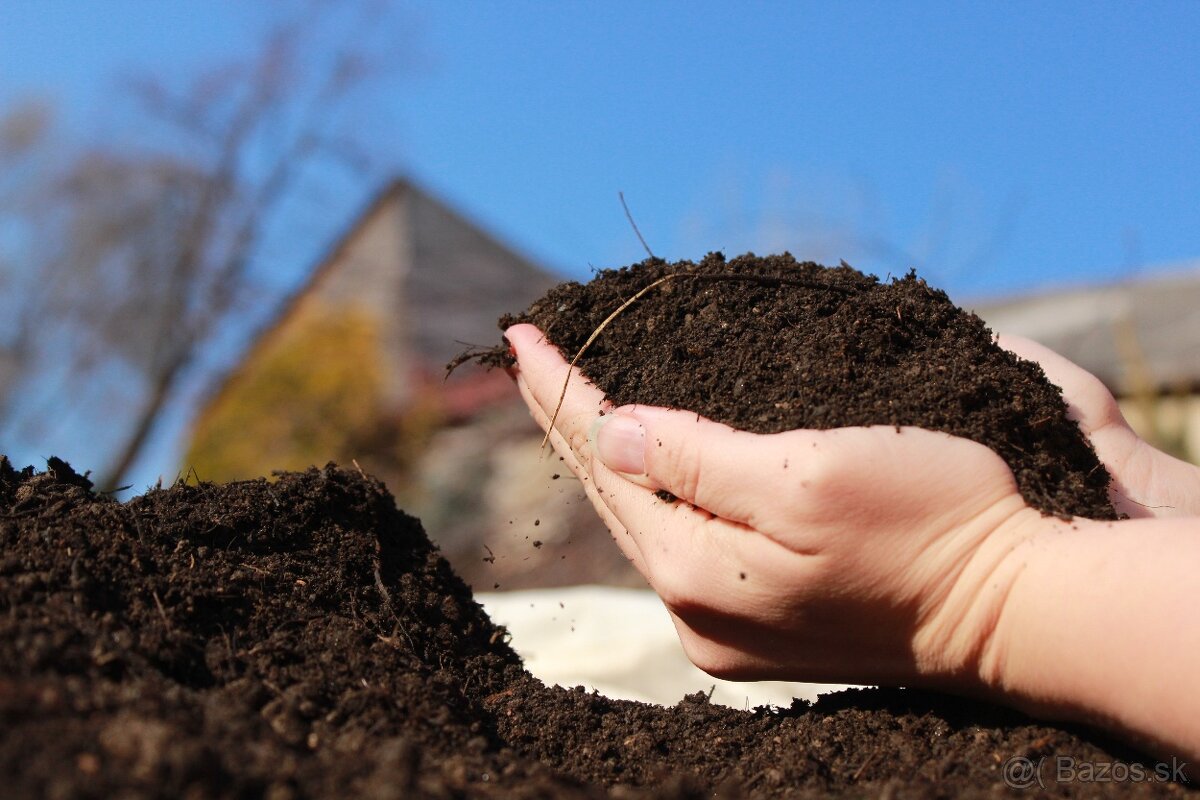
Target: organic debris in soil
[
  {"x": 770, "y": 344},
  {"x": 303, "y": 639}
]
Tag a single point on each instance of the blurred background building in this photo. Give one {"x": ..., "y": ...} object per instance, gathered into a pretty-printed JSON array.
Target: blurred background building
[
  {"x": 1140, "y": 336},
  {"x": 354, "y": 370}
]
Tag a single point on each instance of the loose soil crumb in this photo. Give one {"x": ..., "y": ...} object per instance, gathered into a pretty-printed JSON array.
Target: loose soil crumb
[
  {"x": 303, "y": 639},
  {"x": 770, "y": 344}
]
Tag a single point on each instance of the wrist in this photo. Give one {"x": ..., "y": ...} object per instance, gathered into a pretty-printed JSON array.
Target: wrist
[
  {"x": 1097, "y": 628},
  {"x": 957, "y": 647},
  {"x": 1000, "y": 674}
]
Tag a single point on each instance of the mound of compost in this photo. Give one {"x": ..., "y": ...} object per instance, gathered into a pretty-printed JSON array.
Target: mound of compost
[
  {"x": 302, "y": 638},
  {"x": 770, "y": 344}
]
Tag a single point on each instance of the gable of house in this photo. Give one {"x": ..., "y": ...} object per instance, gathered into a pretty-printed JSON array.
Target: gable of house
[{"x": 359, "y": 352}]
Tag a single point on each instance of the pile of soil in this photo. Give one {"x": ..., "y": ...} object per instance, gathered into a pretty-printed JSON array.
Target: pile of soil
[
  {"x": 303, "y": 639},
  {"x": 770, "y": 344}
]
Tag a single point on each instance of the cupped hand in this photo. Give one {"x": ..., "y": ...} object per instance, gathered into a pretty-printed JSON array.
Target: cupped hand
[
  {"x": 1146, "y": 481},
  {"x": 862, "y": 555}
]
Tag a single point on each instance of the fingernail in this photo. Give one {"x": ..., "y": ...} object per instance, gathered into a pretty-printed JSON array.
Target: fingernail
[{"x": 620, "y": 442}]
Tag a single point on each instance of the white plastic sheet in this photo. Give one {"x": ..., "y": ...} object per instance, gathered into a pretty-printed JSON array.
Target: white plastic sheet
[{"x": 622, "y": 643}]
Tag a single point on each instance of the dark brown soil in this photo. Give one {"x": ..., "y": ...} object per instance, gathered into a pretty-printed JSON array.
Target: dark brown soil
[
  {"x": 302, "y": 639},
  {"x": 770, "y": 344}
]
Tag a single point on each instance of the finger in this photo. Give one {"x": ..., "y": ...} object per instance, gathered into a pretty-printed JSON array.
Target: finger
[
  {"x": 721, "y": 652},
  {"x": 1118, "y": 447},
  {"x": 731, "y": 474},
  {"x": 674, "y": 545},
  {"x": 542, "y": 374},
  {"x": 690, "y": 557},
  {"x": 656, "y": 535},
  {"x": 697, "y": 561},
  {"x": 541, "y": 368},
  {"x": 726, "y": 472},
  {"x": 546, "y": 374},
  {"x": 745, "y": 649}
]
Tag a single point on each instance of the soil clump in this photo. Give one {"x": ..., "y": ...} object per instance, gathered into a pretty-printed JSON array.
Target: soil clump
[
  {"x": 771, "y": 344},
  {"x": 301, "y": 638}
]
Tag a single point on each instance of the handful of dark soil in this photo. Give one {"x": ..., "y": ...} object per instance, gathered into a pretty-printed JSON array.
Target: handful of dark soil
[{"x": 770, "y": 344}]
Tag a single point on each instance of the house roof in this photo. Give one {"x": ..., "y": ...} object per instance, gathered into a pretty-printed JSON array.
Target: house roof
[
  {"x": 1134, "y": 335},
  {"x": 439, "y": 300},
  {"x": 432, "y": 283}
]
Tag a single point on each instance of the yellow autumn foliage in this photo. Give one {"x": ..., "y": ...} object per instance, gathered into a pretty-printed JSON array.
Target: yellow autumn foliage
[{"x": 313, "y": 394}]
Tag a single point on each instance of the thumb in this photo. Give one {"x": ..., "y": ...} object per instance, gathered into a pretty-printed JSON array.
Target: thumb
[{"x": 729, "y": 473}]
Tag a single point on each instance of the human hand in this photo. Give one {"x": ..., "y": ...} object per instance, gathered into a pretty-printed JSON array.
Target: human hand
[
  {"x": 866, "y": 555},
  {"x": 1146, "y": 481}
]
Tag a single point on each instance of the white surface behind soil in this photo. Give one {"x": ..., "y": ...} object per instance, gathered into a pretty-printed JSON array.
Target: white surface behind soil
[{"x": 622, "y": 643}]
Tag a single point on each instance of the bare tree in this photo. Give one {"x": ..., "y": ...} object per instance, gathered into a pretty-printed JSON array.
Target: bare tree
[
  {"x": 24, "y": 131},
  {"x": 144, "y": 251}
]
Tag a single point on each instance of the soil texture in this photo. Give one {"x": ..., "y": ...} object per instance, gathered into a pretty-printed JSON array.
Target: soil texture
[
  {"x": 771, "y": 344},
  {"x": 302, "y": 638}
]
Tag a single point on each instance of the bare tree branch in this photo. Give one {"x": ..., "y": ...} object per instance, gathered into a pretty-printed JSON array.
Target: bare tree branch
[
  {"x": 217, "y": 279},
  {"x": 142, "y": 254}
]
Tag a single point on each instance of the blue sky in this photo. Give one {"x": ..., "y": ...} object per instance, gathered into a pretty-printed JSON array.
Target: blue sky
[{"x": 1000, "y": 147}]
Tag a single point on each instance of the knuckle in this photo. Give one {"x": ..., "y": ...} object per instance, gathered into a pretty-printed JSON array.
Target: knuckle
[
  {"x": 1108, "y": 411},
  {"x": 677, "y": 468},
  {"x": 575, "y": 437},
  {"x": 824, "y": 473},
  {"x": 1091, "y": 402}
]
